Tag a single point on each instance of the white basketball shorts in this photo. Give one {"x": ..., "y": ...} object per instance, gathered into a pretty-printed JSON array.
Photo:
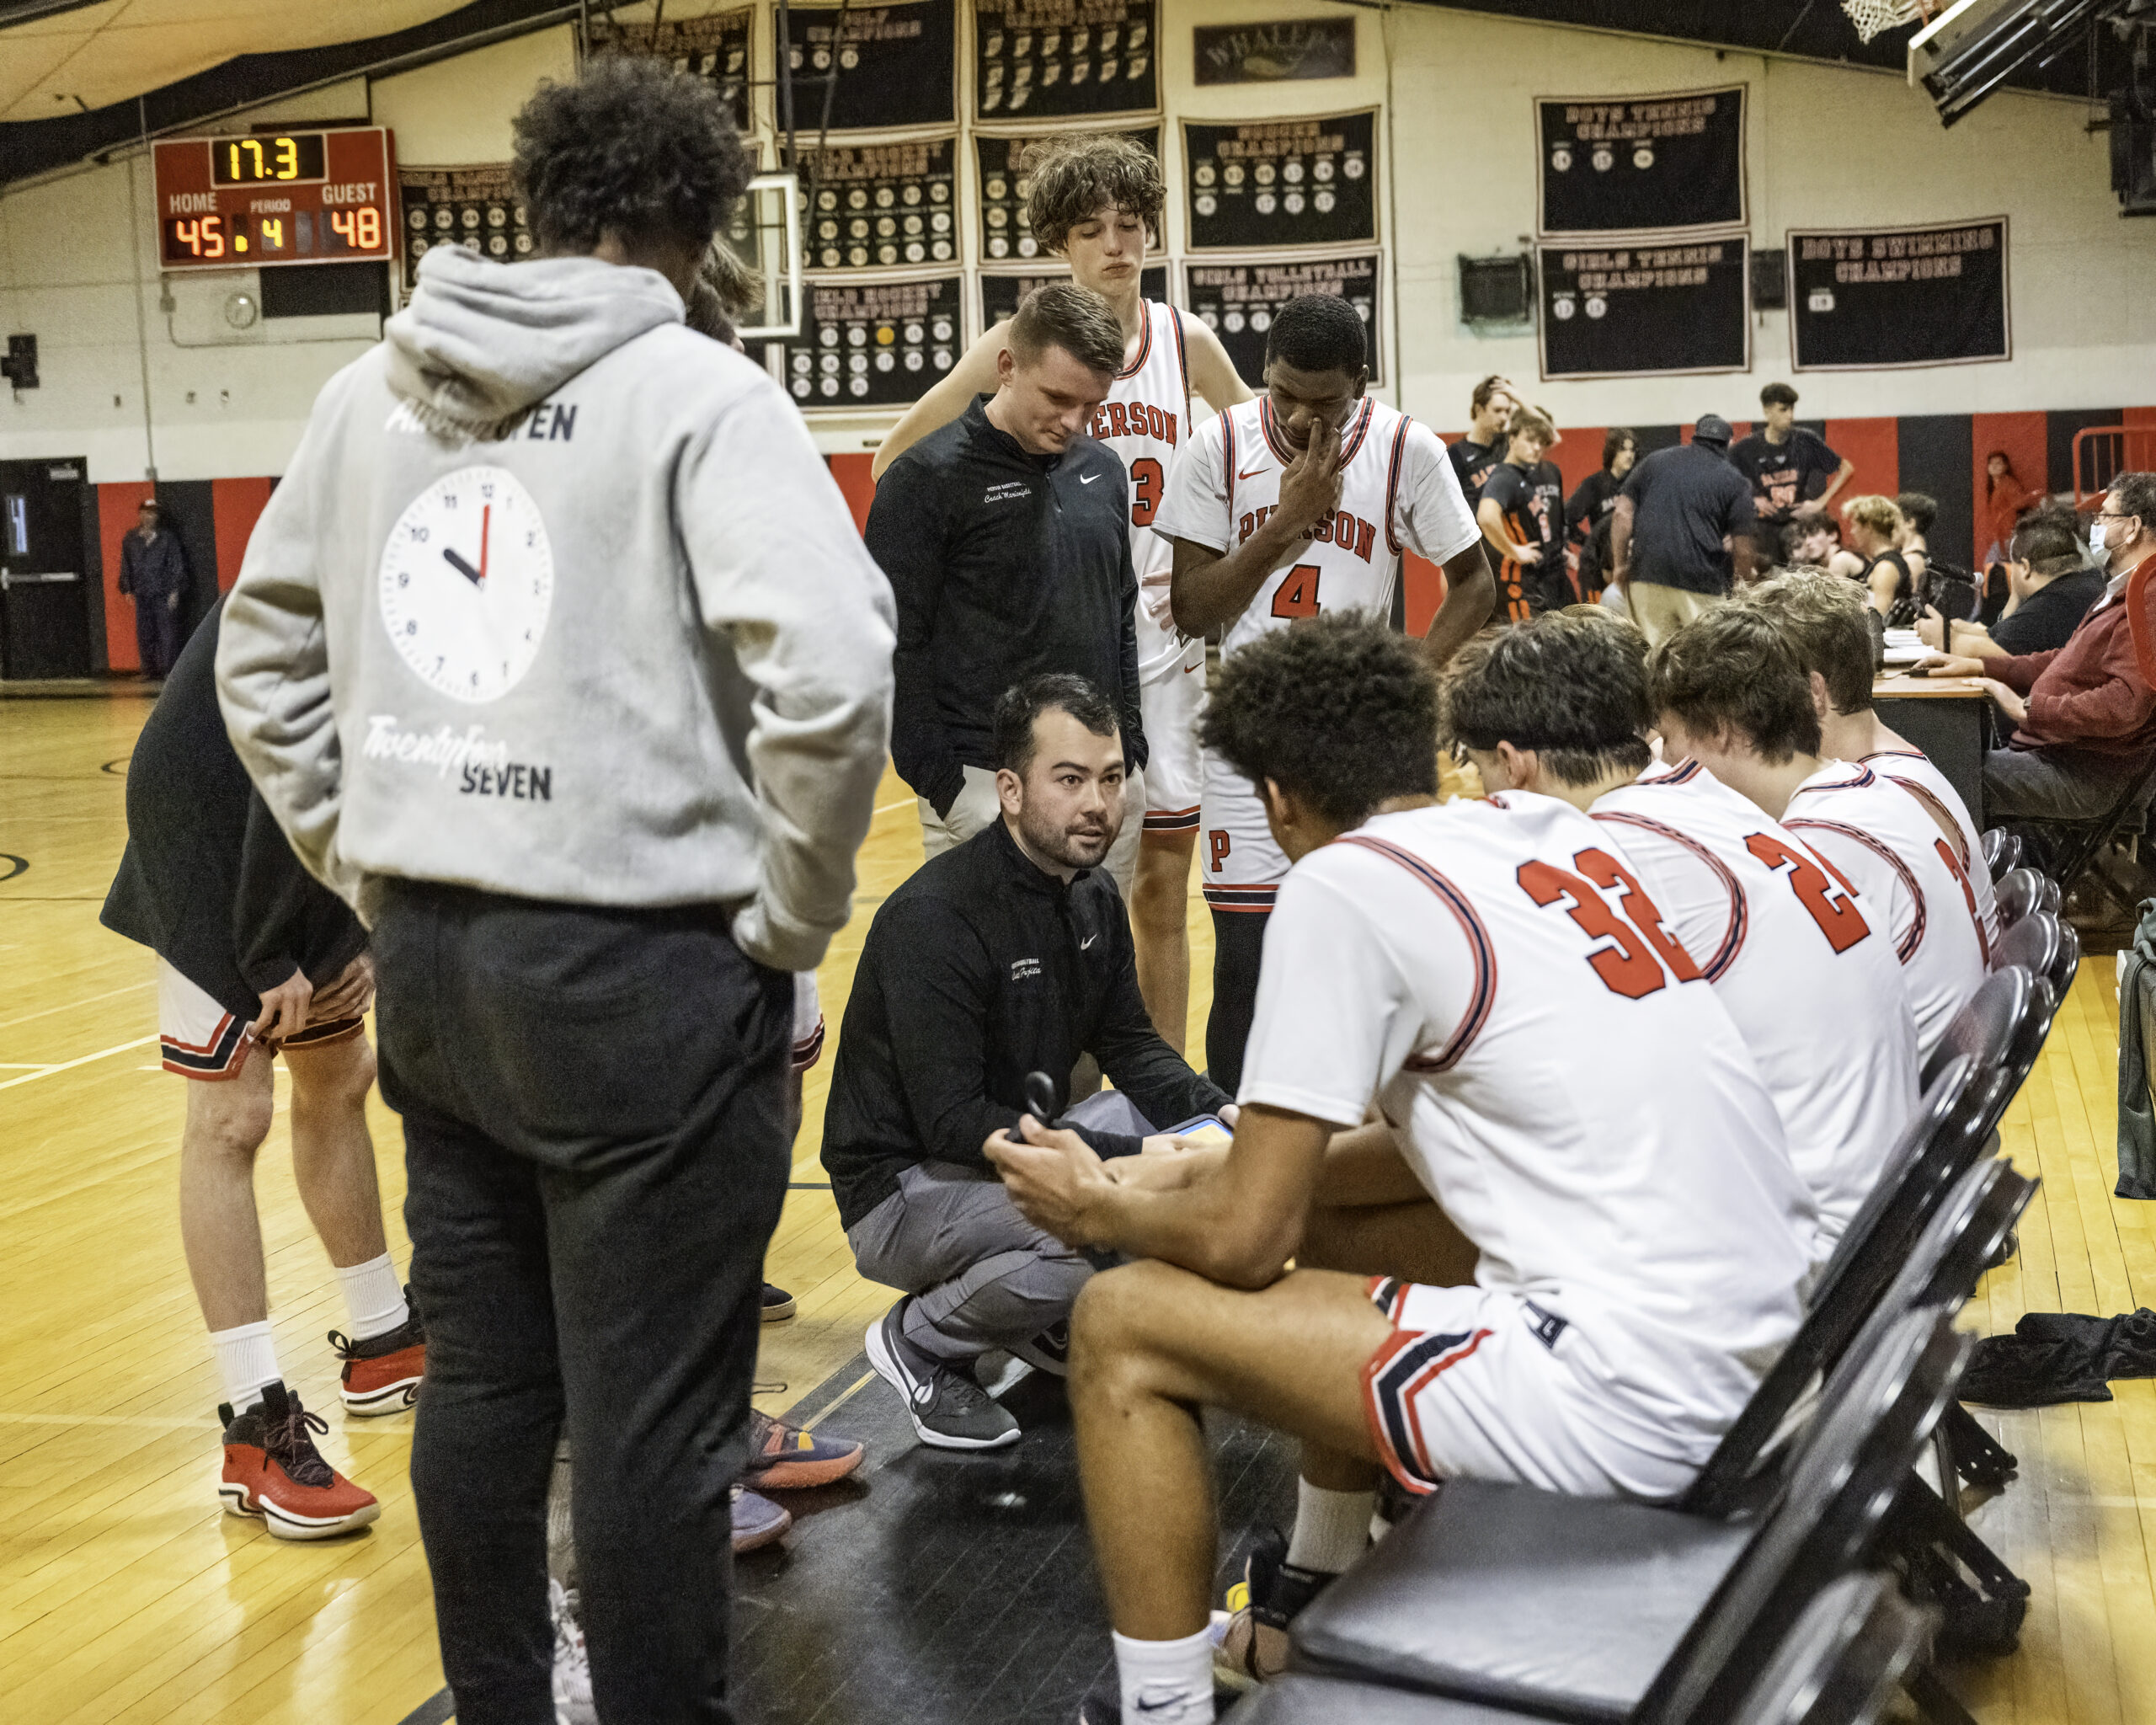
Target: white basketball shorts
[
  {"x": 1239, "y": 867},
  {"x": 1172, "y": 706}
]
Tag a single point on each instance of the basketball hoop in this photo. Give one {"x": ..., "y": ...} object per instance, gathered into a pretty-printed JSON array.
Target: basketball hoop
[{"x": 1870, "y": 17}]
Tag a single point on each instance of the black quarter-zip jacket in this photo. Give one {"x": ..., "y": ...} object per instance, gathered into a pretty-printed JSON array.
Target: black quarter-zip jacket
[
  {"x": 981, "y": 968},
  {"x": 1004, "y": 564}
]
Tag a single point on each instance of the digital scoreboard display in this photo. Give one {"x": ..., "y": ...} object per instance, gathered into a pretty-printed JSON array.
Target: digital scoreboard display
[{"x": 268, "y": 198}]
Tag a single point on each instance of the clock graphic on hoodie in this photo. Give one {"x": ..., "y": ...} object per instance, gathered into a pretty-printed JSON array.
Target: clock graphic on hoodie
[{"x": 467, "y": 583}]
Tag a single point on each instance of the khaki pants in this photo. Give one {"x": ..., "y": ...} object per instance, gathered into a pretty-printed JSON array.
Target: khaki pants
[
  {"x": 978, "y": 804},
  {"x": 1661, "y": 611}
]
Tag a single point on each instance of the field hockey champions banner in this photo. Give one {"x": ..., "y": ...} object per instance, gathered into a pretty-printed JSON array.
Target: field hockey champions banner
[
  {"x": 1645, "y": 310},
  {"x": 1629, "y": 164},
  {"x": 1870, "y": 298},
  {"x": 878, "y": 345}
]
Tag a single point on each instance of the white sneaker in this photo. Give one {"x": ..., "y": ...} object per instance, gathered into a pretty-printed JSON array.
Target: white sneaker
[{"x": 572, "y": 1663}]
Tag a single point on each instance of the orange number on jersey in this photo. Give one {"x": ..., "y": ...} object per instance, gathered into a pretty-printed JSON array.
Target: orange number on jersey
[
  {"x": 1640, "y": 911},
  {"x": 1144, "y": 490},
  {"x": 1839, "y": 918},
  {"x": 1968, "y": 895},
  {"x": 1297, "y": 593},
  {"x": 1627, "y": 967}
]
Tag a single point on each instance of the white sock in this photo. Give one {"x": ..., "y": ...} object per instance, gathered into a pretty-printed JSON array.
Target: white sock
[
  {"x": 374, "y": 1297},
  {"x": 1165, "y": 1682},
  {"x": 247, "y": 1359},
  {"x": 1332, "y": 1528}
]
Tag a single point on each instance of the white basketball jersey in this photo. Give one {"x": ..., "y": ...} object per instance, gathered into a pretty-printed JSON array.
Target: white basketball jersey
[
  {"x": 1815, "y": 990},
  {"x": 1397, "y": 491},
  {"x": 1886, "y": 845},
  {"x": 1915, "y": 774},
  {"x": 1145, "y": 420},
  {"x": 1564, "y": 1083}
]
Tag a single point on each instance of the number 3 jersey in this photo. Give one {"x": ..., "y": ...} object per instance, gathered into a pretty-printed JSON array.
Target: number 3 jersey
[
  {"x": 1563, "y": 1081},
  {"x": 1398, "y": 493},
  {"x": 1808, "y": 973},
  {"x": 1145, "y": 420}
]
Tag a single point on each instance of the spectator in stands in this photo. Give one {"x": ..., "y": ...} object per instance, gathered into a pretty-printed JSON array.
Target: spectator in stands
[
  {"x": 2084, "y": 715},
  {"x": 1787, "y": 467},
  {"x": 1519, "y": 514},
  {"x": 1682, "y": 530},
  {"x": 1475, "y": 456},
  {"x": 153, "y": 573},
  {"x": 1918, "y": 511},
  {"x": 1587, "y": 513},
  {"x": 1873, "y": 529},
  {"x": 2005, "y": 497},
  {"x": 2050, "y": 586}
]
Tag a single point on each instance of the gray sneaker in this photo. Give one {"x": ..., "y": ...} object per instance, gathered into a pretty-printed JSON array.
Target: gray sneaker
[{"x": 948, "y": 1409}]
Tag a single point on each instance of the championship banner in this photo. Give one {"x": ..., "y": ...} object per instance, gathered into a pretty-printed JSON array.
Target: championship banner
[
  {"x": 716, "y": 49},
  {"x": 1236, "y": 302},
  {"x": 1629, "y": 164},
  {"x": 896, "y": 66},
  {"x": 999, "y": 294},
  {"x": 470, "y": 206},
  {"x": 872, "y": 207},
  {"x": 879, "y": 344},
  {"x": 1065, "y": 59},
  {"x": 1004, "y": 189},
  {"x": 1279, "y": 183},
  {"x": 1647, "y": 310},
  {"x": 1870, "y": 299}
]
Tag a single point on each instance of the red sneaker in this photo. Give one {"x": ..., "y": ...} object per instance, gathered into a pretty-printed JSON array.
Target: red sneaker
[
  {"x": 382, "y": 1374},
  {"x": 273, "y": 1470},
  {"x": 782, "y": 1455}
]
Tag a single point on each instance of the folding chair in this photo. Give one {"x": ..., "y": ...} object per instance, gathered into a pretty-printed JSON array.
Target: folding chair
[
  {"x": 2002, "y": 1026},
  {"x": 2043, "y": 946},
  {"x": 2017, "y": 893},
  {"x": 2002, "y": 850}
]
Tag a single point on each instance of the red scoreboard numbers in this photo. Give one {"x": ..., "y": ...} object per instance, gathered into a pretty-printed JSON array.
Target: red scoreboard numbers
[{"x": 269, "y": 198}]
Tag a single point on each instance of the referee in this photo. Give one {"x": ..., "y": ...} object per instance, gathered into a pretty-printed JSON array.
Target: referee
[{"x": 1006, "y": 538}]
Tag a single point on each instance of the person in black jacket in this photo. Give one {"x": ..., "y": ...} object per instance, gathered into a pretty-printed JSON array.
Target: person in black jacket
[
  {"x": 1007, "y": 955},
  {"x": 254, "y": 959},
  {"x": 1590, "y": 509},
  {"x": 153, "y": 573},
  {"x": 1006, "y": 538}
]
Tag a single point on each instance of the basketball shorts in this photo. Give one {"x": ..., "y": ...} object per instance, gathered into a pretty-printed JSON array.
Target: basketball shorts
[
  {"x": 1239, "y": 867},
  {"x": 198, "y": 1039},
  {"x": 1474, "y": 1384},
  {"x": 808, "y": 1022},
  {"x": 1172, "y": 705}
]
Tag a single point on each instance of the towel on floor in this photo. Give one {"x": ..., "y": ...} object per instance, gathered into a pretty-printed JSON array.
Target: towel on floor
[{"x": 2060, "y": 1356}]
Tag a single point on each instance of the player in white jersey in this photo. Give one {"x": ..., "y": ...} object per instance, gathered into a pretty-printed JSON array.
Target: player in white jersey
[
  {"x": 1822, "y": 619},
  {"x": 1095, "y": 200},
  {"x": 1559, "y": 706},
  {"x": 1730, "y": 693},
  {"x": 1590, "y": 1122},
  {"x": 1294, "y": 505}
]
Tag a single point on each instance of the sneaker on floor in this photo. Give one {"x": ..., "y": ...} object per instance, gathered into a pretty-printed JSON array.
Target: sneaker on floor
[
  {"x": 273, "y": 1470},
  {"x": 783, "y": 1457},
  {"x": 1049, "y": 1351},
  {"x": 757, "y": 1521},
  {"x": 1250, "y": 1638},
  {"x": 1104, "y": 1704},
  {"x": 948, "y": 1409},
  {"x": 572, "y": 1663},
  {"x": 382, "y": 1374},
  {"x": 778, "y": 1304}
]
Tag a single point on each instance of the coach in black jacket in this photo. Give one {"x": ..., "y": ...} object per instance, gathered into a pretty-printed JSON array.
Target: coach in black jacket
[{"x": 1007, "y": 955}]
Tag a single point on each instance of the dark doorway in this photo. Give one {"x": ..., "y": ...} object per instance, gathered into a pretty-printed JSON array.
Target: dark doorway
[{"x": 45, "y": 611}]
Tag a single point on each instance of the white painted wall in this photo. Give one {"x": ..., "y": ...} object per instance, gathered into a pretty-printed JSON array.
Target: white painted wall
[{"x": 1827, "y": 146}]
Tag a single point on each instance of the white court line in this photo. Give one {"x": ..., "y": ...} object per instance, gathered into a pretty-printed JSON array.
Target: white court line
[
  {"x": 79, "y": 1060},
  {"x": 47, "y": 1011},
  {"x": 882, "y": 809},
  {"x": 144, "y": 1422}
]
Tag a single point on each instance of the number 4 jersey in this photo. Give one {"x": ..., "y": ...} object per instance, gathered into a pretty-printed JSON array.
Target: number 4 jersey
[{"x": 1398, "y": 493}]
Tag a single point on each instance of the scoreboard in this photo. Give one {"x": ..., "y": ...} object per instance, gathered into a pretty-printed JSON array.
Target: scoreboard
[{"x": 268, "y": 198}]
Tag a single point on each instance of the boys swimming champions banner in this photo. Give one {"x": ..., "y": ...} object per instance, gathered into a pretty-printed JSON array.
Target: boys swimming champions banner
[{"x": 1868, "y": 298}]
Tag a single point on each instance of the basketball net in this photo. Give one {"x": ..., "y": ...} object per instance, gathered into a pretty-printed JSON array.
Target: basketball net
[{"x": 1870, "y": 17}]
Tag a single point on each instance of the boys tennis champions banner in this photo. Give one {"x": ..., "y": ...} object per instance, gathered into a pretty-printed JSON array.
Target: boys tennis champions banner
[{"x": 1633, "y": 164}]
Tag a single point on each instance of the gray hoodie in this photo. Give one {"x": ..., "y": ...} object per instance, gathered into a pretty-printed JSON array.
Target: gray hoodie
[{"x": 557, "y": 600}]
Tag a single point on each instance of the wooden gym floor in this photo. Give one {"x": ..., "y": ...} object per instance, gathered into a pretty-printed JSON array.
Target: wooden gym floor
[{"x": 126, "y": 1594}]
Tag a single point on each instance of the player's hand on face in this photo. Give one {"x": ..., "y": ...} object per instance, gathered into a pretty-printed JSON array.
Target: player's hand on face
[
  {"x": 1052, "y": 1176},
  {"x": 1310, "y": 489},
  {"x": 285, "y": 1008}
]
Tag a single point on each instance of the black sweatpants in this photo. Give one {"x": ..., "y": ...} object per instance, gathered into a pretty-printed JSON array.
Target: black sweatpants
[
  {"x": 1238, "y": 942},
  {"x": 596, "y": 1153}
]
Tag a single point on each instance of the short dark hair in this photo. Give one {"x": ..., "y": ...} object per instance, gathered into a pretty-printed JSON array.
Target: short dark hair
[
  {"x": 2045, "y": 539},
  {"x": 1074, "y": 179},
  {"x": 2137, "y": 493},
  {"x": 1613, "y": 445},
  {"x": 1573, "y": 688},
  {"x": 1076, "y": 319},
  {"x": 1340, "y": 710},
  {"x": 1777, "y": 395},
  {"x": 1318, "y": 332},
  {"x": 1011, "y": 734},
  {"x": 634, "y": 148},
  {"x": 1824, "y": 619},
  {"x": 1919, "y": 509},
  {"x": 1734, "y": 669}
]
